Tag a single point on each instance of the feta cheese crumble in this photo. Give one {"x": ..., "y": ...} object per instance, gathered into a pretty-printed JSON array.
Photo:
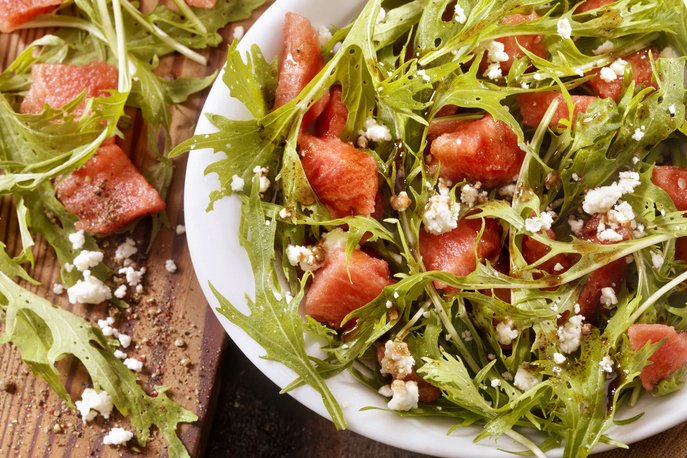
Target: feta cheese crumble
[
  {"x": 603, "y": 198},
  {"x": 323, "y": 35},
  {"x": 606, "y": 364},
  {"x": 538, "y": 223},
  {"x": 126, "y": 250},
  {"x": 471, "y": 195},
  {"x": 397, "y": 360},
  {"x": 618, "y": 66},
  {"x": 90, "y": 290},
  {"x": 506, "y": 332},
  {"x": 564, "y": 28},
  {"x": 120, "y": 292},
  {"x": 170, "y": 266},
  {"x": 608, "y": 297},
  {"x": 180, "y": 229},
  {"x": 124, "y": 340},
  {"x": 133, "y": 364},
  {"x": 638, "y": 134},
  {"x": 607, "y": 74},
  {"x": 605, "y": 48},
  {"x": 405, "y": 395},
  {"x": 570, "y": 334},
  {"x": 525, "y": 379},
  {"x": 262, "y": 175},
  {"x": 307, "y": 258},
  {"x": 119, "y": 354},
  {"x": 375, "y": 132},
  {"x": 92, "y": 403},
  {"x": 238, "y": 32},
  {"x": 459, "y": 15},
  {"x": 87, "y": 259},
  {"x": 441, "y": 214},
  {"x": 400, "y": 202},
  {"x": 58, "y": 288},
  {"x": 559, "y": 358},
  {"x": 237, "y": 183},
  {"x": 657, "y": 260},
  {"x": 495, "y": 383},
  {"x": 133, "y": 276},
  {"x": 117, "y": 436},
  {"x": 493, "y": 71},
  {"x": 77, "y": 239}
]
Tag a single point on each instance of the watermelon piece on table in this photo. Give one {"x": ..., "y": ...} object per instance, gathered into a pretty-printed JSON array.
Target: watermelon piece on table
[
  {"x": 612, "y": 275},
  {"x": 59, "y": 84},
  {"x": 332, "y": 121},
  {"x": 670, "y": 357},
  {"x": 339, "y": 287},
  {"x": 454, "y": 251},
  {"x": 512, "y": 44},
  {"x": 14, "y": 13},
  {"x": 533, "y": 107},
  {"x": 344, "y": 178},
  {"x": 641, "y": 75},
  {"x": 299, "y": 62},
  {"x": 483, "y": 150},
  {"x": 108, "y": 193},
  {"x": 201, "y": 3}
]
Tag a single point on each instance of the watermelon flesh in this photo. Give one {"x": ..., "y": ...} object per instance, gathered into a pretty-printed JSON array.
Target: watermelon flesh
[
  {"x": 440, "y": 126},
  {"x": 108, "y": 193},
  {"x": 512, "y": 44},
  {"x": 533, "y": 250},
  {"x": 589, "y": 5},
  {"x": 454, "y": 251},
  {"x": 59, "y": 84},
  {"x": 483, "y": 150},
  {"x": 14, "y": 13},
  {"x": 299, "y": 62},
  {"x": 533, "y": 107},
  {"x": 641, "y": 75},
  {"x": 332, "y": 121},
  {"x": 344, "y": 178},
  {"x": 201, "y": 3},
  {"x": 338, "y": 287},
  {"x": 670, "y": 357},
  {"x": 673, "y": 180},
  {"x": 611, "y": 275}
]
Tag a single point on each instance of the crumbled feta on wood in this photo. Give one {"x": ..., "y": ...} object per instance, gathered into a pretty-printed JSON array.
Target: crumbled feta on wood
[
  {"x": 87, "y": 259},
  {"x": 90, "y": 290},
  {"x": 117, "y": 436},
  {"x": 126, "y": 250},
  {"x": 92, "y": 403},
  {"x": 170, "y": 266},
  {"x": 133, "y": 364},
  {"x": 77, "y": 239}
]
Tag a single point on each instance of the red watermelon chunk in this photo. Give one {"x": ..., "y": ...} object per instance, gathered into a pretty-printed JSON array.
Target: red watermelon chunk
[
  {"x": 58, "y": 84},
  {"x": 344, "y": 178},
  {"x": 108, "y": 193},
  {"x": 13, "y": 13},
  {"x": 681, "y": 249},
  {"x": 454, "y": 251},
  {"x": 672, "y": 180},
  {"x": 512, "y": 44},
  {"x": 533, "y": 250},
  {"x": 299, "y": 62},
  {"x": 611, "y": 275},
  {"x": 332, "y": 121},
  {"x": 533, "y": 106},
  {"x": 339, "y": 288},
  {"x": 641, "y": 75},
  {"x": 484, "y": 150},
  {"x": 589, "y": 5},
  {"x": 201, "y": 3},
  {"x": 667, "y": 359}
]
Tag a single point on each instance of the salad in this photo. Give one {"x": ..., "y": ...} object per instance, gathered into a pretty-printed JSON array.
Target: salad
[
  {"x": 477, "y": 205},
  {"x": 69, "y": 105}
]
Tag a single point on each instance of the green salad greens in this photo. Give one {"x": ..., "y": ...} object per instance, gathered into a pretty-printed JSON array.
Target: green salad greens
[
  {"x": 36, "y": 150},
  {"x": 511, "y": 344}
]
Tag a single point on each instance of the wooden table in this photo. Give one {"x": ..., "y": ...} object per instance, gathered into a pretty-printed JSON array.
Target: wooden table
[{"x": 251, "y": 418}]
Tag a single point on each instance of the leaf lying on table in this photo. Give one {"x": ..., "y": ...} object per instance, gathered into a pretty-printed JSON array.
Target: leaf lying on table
[{"x": 44, "y": 334}]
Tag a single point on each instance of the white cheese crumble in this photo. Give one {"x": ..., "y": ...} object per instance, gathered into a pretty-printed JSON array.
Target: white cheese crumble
[
  {"x": 559, "y": 358},
  {"x": 606, "y": 364},
  {"x": 90, "y": 290},
  {"x": 133, "y": 364},
  {"x": 608, "y": 297},
  {"x": 558, "y": 267},
  {"x": 570, "y": 334},
  {"x": 405, "y": 395},
  {"x": 119, "y": 354},
  {"x": 669, "y": 52},
  {"x": 495, "y": 382},
  {"x": 180, "y": 229},
  {"x": 238, "y": 32},
  {"x": 77, "y": 239},
  {"x": 657, "y": 260},
  {"x": 638, "y": 134},
  {"x": 459, "y": 15},
  {"x": 92, "y": 403},
  {"x": 120, "y": 292},
  {"x": 58, "y": 288},
  {"x": 524, "y": 378},
  {"x": 237, "y": 183},
  {"x": 576, "y": 225},
  {"x": 564, "y": 28},
  {"x": 538, "y": 223},
  {"x": 493, "y": 71},
  {"x": 605, "y": 48},
  {"x": 117, "y": 436},
  {"x": 400, "y": 202},
  {"x": 507, "y": 191},
  {"x": 262, "y": 175},
  {"x": 471, "y": 195},
  {"x": 375, "y": 132},
  {"x": 170, "y": 266},
  {"x": 323, "y": 35},
  {"x": 618, "y": 66},
  {"x": 603, "y": 198},
  {"x": 68, "y": 267},
  {"x": 133, "y": 276},
  {"x": 506, "y": 332},
  {"x": 609, "y": 235},
  {"x": 397, "y": 360},
  {"x": 441, "y": 214},
  {"x": 307, "y": 258},
  {"x": 381, "y": 16},
  {"x": 124, "y": 340},
  {"x": 87, "y": 259},
  {"x": 126, "y": 250},
  {"x": 607, "y": 74},
  {"x": 671, "y": 109},
  {"x": 496, "y": 52}
]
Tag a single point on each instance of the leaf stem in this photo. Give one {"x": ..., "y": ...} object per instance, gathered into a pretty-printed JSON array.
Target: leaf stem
[
  {"x": 190, "y": 15},
  {"x": 657, "y": 295},
  {"x": 522, "y": 440},
  {"x": 49, "y": 20}
]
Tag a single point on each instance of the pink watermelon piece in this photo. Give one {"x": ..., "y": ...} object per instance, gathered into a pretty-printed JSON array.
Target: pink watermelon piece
[
  {"x": 533, "y": 250},
  {"x": 611, "y": 275},
  {"x": 512, "y": 44},
  {"x": 589, "y": 5},
  {"x": 299, "y": 62},
  {"x": 333, "y": 294},
  {"x": 332, "y": 121},
  {"x": 483, "y": 150},
  {"x": 201, "y": 3},
  {"x": 533, "y": 106},
  {"x": 669, "y": 179},
  {"x": 108, "y": 193},
  {"x": 58, "y": 84},
  {"x": 641, "y": 75},
  {"x": 14, "y": 13},
  {"x": 454, "y": 251},
  {"x": 667, "y": 359},
  {"x": 344, "y": 178}
]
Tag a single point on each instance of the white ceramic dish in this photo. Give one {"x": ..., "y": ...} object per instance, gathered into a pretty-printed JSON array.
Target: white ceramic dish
[{"x": 218, "y": 258}]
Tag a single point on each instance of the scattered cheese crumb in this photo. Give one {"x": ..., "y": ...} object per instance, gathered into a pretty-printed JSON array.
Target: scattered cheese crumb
[
  {"x": 375, "y": 132},
  {"x": 603, "y": 198},
  {"x": 119, "y": 354},
  {"x": 657, "y": 260},
  {"x": 570, "y": 334},
  {"x": 308, "y": 259},
  {"x": 92, "y": 403},
  {"x": 607, "y": 74},
  {"x": 90, "y": 290},
  {"x": 170, "y": 266},
  {"x": 238, "y": 32},
  {"x": 120, "y": 292},
  {"x": 441, "y": 214},
  {"x": 471, "y": 195},
  {"x": 133, "y": 276},
  {"x": 58, "y": 288},
  {"x": 609, "y": 235},
  {"x": 605, "y": 48},
  {"x": 496, "y": 52},
  {"x": 558, "y": 358},
  {"x": 133, "y": 364},
  {"x": 539, "y": 223},
  {"x": 506, "y": 332},
  {"x": 285, "y": 213},
  {"x": 87, "y": 259},
  {"x": 608, "y": 297},
  {"x": 459, "y": 15},
  {"x": 671, "y": 109},
  {"x": 264, "y": 181},
  {"x": 493, "y": 71},
  {"x": 606, "y": 364},
  {"x": 397, "y": 360},
  {"x": 323, "y": 35},
  {"x": 558, "y": 267},
  {"x": 124, "y": 340},
  {"x": 507, "y": 191},
  {"x": 237, "y": 183},
  {"x": 68, "y": 267},
  {"x": 495, "y": 382},
  {"x": 618, "y": 66},
  {"x": 564, "y": 28},
  {"x": 400, "y": 202},
  {"x": 117, "y": 436},
  {"x": 180, "y": 229},
  {"x": 524, "y": 378},
  {"x": 576, "y": 225},
  {"x": 126, "y": 250},
  {"x": 405, "y": 395},
  {"x": 638, "y": 135},
  {"x": 77, "y": 239}
]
